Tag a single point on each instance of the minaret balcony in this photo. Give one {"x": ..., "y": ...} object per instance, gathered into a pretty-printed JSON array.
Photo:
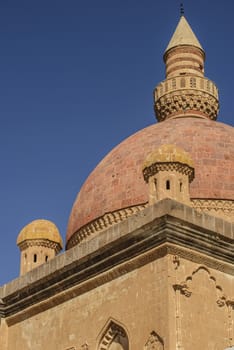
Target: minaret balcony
[
  {"x": 185, "y": 82},
  {"x": 186, "y": 96}
]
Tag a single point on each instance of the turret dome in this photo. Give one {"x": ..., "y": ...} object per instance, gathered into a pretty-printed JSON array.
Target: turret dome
[
  {"x": 39, "y": 241},
  {"x": 168, "y": 154},
  {"x": 40, "y": 229}
]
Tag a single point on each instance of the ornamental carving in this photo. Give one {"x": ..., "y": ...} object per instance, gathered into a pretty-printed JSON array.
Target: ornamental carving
[
  {"x": 223, "y": 208},
  {"x": 103, "y": 223},
  {"x": 114, "y": 334},
  {"x": 176, "y": 261},
  {"x": 184, "y": 287},
  {"x": 188, "y": 82},
  {"x": 184, "y": 101},
  {"x": 154, "y": 342},
  {"x": 230, "y": 303},
  {"x": 171, "y": 166},
  {"x": 221, "y": 301},
  {"x": 40, "y": 243}
]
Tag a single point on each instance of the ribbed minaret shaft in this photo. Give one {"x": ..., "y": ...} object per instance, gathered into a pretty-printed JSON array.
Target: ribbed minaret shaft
[
  {"x": 183, "y": 60},
  {"x": 185, "y": 92}
]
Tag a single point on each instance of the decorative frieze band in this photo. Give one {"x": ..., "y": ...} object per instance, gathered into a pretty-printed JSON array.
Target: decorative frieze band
[
  {"x": 171, "y": 166},
  {"x": 40, "y": 243},
  {"x": 102, "y": 223},
  {"x": 188, "y": 82},
  {"x": 182, "y": 102},
  {"x": 220, "y": 207}
]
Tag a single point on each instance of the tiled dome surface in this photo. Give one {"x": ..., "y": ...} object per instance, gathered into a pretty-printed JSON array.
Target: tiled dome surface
[{"x": 117, "y": 182}]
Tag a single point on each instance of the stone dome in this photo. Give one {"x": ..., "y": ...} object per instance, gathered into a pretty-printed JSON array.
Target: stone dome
[
  {"x": 40, "y": 230},
  {"x": 116, "y": 186}
]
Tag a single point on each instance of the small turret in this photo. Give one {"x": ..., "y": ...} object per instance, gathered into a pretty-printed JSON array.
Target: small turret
[
  {"x": 39, "y": 242},
  {"x": 168, "y": 172}
]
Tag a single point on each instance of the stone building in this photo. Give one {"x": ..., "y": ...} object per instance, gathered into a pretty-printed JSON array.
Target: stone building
[{"x": 149, "y": 247}]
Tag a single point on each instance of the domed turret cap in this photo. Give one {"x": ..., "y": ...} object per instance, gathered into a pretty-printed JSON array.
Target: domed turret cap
[
  {"x": 40, "y": 229},
  {"x": 168, "y": 154}
]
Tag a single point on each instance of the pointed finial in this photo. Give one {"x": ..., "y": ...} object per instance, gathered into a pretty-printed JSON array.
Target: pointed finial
[{"x": 181, "y": 9}]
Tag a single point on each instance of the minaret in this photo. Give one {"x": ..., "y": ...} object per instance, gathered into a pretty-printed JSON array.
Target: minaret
[{"x": 185, "y": 92}]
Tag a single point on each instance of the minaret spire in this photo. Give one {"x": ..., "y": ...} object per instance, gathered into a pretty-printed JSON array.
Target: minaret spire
[
  {"x": 181, "y": 9},
  {"x": 185, "y": 92},
  {"x": 184, "y": 35}
]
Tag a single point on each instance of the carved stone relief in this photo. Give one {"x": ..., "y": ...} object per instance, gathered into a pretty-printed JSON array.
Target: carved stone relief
[
  {"x": 204, "y": 297},
  {"x": 114, "y": 338},
  {"x": 218, "y": 207},
  {"x": 154, "y": 342},
  {"x": 185, "y": 286},
  {"x": 187, "y": 100},
  {"x": 103, "y": 223}
]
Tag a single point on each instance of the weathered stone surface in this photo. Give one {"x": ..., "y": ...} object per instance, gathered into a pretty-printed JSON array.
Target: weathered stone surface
[
  {"x": 142, "y": 276},
  {"x": 150, "y": 259}
]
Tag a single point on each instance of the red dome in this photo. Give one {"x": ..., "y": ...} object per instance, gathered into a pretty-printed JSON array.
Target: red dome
[{"x": 117, "y": 182}]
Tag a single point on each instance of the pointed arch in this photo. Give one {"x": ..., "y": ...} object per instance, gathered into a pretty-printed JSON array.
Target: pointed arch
[
  {"x": 154, "y": 342},
  {"x": 114, "y": 337},
  {"x": 185, "y": 286}
]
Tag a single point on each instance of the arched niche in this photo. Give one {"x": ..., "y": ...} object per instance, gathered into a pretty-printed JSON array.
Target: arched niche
[{"x": 114, "y": 337}]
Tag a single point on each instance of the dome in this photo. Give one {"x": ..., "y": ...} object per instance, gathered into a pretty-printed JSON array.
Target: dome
[
  {"x": 186, "y": 105},
  {"x": 117, "y": 183},
  {"x": 40, "y": 229}
]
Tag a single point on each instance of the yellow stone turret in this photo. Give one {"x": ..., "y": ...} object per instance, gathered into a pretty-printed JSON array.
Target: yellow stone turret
[
  {"x": 168, "y": 171},
  {"x": 39, "y": 241}
]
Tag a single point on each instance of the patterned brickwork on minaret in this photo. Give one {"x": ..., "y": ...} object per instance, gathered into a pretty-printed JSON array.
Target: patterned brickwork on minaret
[{"x": 185, "y": 92}]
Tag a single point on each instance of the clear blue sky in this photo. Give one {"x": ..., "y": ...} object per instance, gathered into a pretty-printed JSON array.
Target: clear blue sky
[{"x": 76, "y": 78}]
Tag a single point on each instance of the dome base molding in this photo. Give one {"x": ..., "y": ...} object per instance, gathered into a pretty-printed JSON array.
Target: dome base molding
[
  {"x": 217, "y": 207},
  {"x": 102, "y": 223}
]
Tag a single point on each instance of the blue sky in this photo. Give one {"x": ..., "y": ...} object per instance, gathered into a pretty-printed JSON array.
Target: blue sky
[{"x": 76, "y": 78}]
